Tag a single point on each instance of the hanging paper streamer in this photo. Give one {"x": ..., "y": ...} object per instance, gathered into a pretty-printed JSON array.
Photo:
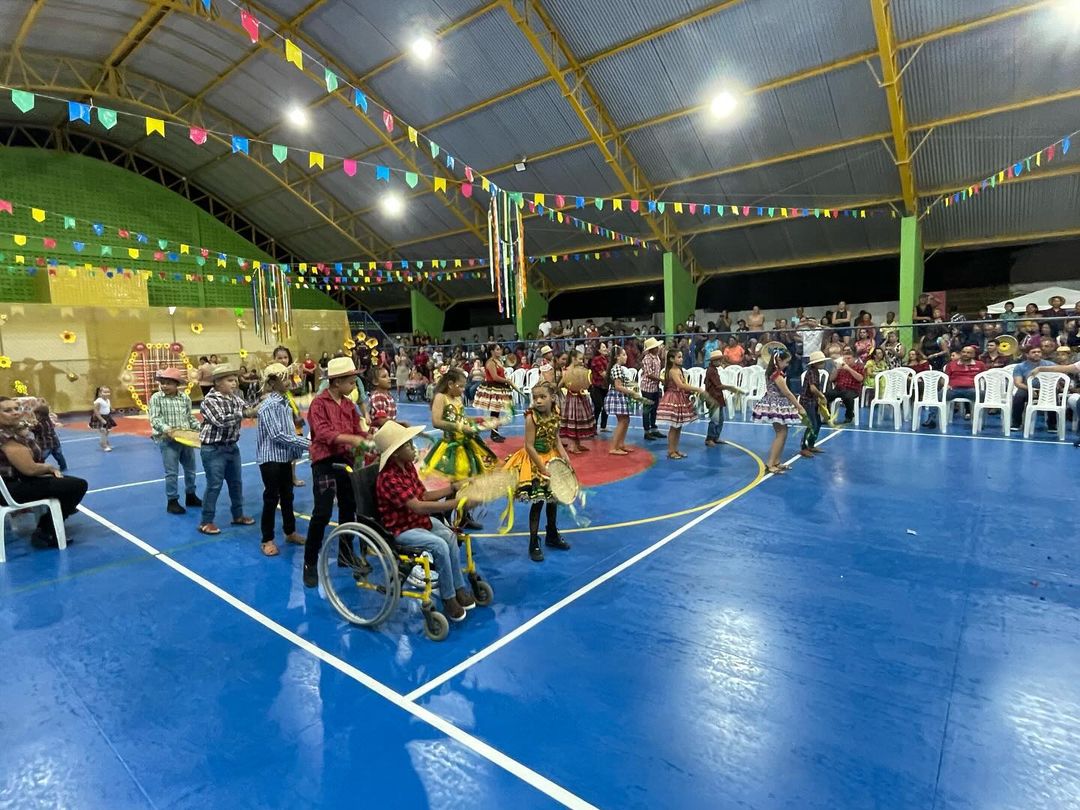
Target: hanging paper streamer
[
  {"x": 506, "y": 252},
  {"x": 272, "y": 303}
]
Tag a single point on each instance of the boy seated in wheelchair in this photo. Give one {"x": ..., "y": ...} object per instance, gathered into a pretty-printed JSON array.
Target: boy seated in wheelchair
[{"x": 408, "y": 511}]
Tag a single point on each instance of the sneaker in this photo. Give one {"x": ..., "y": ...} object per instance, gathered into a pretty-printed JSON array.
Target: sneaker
[
  {"x": 416, "y": 576},
  {"x": 192, "y": 500},
  {"x": 556, "y": 541},
  {"x": 311, "y": 576},
  {"x": 174, "y": 507}
]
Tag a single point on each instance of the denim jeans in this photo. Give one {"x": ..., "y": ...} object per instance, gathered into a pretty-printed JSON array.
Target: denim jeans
[
  {"x": 648, "y": 414},
  {"x": 173, "y": 455},
  {"x": 809, "y": 437},
  {"x": 716, "y": 424},
  {"x": 961, "y": 393},
  {"x": 222, "y": 465},
  {"x": 58, "y": 454},
  {"x": 442, "y": 544}
]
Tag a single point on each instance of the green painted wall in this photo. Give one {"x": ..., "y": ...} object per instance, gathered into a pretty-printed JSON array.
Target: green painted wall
[
  {"x": 680, "y": 293},
  {"x": 427, "y": 319},
  {"x": 529, "y": 316},
  {"x": 911, "y": 273},
  {"x": 93, "y": 190}
]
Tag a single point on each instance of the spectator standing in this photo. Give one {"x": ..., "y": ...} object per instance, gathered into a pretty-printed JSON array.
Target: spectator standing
[{"x": 598, "y": 385}]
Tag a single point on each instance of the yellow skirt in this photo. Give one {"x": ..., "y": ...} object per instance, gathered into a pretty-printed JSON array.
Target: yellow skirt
[{"x": 531, "y": 485}]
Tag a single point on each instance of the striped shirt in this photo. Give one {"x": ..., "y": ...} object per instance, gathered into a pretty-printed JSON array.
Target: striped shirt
[
  {"x": 276, "y": 439},
  {"x": 222, "y": 415},
  {"x": 170, "y": 412}
]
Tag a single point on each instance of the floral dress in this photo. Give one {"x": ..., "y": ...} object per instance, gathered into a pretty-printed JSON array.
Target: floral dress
[
  {"x": 457, "y": 455},
  {"x": 675, "y": 408},
  {"x": 532, "y": 486},
  {"x": 774, "y": 406}
]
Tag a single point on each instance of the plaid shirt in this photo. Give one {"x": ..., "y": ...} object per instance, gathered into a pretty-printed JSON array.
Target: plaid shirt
[
  {"x": 21, "y": 435},
  {"x": 45, "y": 433},
  {"x": 328, "y": 420},
  {"x": 276, "y": 439},
  {"x": 383, "y": 408},
  {"x": 170, "y": 412},
  {"x": 650, "y": 367},
  {"x": 396, "y": 485},
  {"x": 599, "y": 366},
  {"x": 222, "y": 415}
]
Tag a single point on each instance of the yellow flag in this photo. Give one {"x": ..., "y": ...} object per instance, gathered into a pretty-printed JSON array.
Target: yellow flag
[
  {"x": 37, "y": 214},
  {"x": 484, "y": 184},
  {"x": 155, "y": 125},
  {"x": 209, "y": 278},
  {"x": 678, "y": 208},
  {"x": 185, "y": 249},
  {"x": 294, "y": 54},
  {"x": 596, "y": 255},
  {"x": 538, "y": 199},
  {"x": 440, "y": 184},
  {"x": 256, "y": 265},
  {"x": 20, "y": 239},
  {"x": 20, "y": 259},
  {"x": 783, "y": 212},
  {"x": 412, "y": 136},
  {"x": 303, "y": 267},
  {"x": 222, "y": 263},
  {"x": 247, "y": 280},
  {"x": 616, "y": 204},
  {"x": 371, "y": 265},
  {"x": 559, "y": 215},
  {"x": 315, "y": 159},
  {"x": 133, "y": 253}
]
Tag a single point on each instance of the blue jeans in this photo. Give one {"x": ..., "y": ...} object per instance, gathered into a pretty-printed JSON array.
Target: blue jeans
[
  {"x": 442, "y": 544},
  {"x": 222, "y": 465},
  {"x": 173, "y": 455},
  {"x": 716, "y": 424},
  {"x": 58, "y": 454}
]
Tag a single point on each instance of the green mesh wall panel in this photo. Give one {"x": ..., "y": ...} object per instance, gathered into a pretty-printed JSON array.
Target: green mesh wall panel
[
  {"x": 93, "y": 191},
  {"x": 17, "y": 285}
]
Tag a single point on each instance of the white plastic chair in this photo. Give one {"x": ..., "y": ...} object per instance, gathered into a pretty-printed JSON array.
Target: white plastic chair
[
  {"x": 1048, "y": 397},
  {"x": 891, "y": 392},
  {"x": 10, "y": 505},
  {"x": 754, "y": 384},
  {"x": 696, "y": 377},
  {"x": 930, "y": 388},
  {"x": 731, "y": 375},
  {"x": 993, "y": 392},
  {"x": 517, "y": 378},
  {"x": 631, "y": 375}
]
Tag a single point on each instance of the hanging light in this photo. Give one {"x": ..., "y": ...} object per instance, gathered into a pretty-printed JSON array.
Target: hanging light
[
  {"x": 392, "y": 204},
  {"x": 723, "y": 104},
  {"x": 422, "y": 48},
  {"x": 297, "y": 116}
]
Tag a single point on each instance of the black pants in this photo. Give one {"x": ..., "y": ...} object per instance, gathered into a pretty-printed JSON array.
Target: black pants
[
  {"x": 68, "y": 490},
  {"x": 598, "y": 396},
  {"x": 1020, "y": 401},
  {"x": 813, "y": 416},
  {"x": 277, "y": 480},
  {"x": 328, "y": 484},
  {"x": 848, "y": 397},
  {"x": 648, "y": 414}
]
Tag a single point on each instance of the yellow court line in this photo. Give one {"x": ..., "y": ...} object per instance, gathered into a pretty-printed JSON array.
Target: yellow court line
[{"x": 642, "y": 521}]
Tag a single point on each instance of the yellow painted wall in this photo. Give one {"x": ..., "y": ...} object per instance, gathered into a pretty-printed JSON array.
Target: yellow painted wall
[{"x": 30, "y": 337}]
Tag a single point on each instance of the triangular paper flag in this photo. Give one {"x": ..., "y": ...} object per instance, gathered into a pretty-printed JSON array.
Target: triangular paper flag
[
  {"x": 412, "y": 137},
  {"x": 466, "y": 190},
  {"x": 280, "y": 152},
  {"x": 78, "y": 111},
  {"x": 19, "y": 239},
  {"x": 434, "y": 150},
  {"x": 155, "y": 125},
  {"x": 616, "y": 204},
  {"x": 349, "y": 167},
  {"x": 239, "y": 144},
  {"x": 315, "y": 159},
  {"x": 359, "y": 100},
  {"x": 37, "y": 214},
  {"x": 388, "y": 120},
  {"x": 331, "y": 80},
  {"x": 250, "y": 24},
  {"x": 294, "y": 54},
  {"x": 107, "y": 118},
  {"x": 5, "y": 206},
  {"x": 133, "y": 253},
  {"x": 412, "y": 179},
  {"x": 440, "y": 184},
  {"x": 185, "y": 249},
  {"x": 22, "y": 100},
  {"x": 382, "y": 173},
  {"x": 69, "y": 223},
  {"x": 197, "y": 135}
]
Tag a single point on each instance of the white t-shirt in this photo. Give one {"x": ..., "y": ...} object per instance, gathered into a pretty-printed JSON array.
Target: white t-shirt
[
  {"x": 545, "y": 328},
  {"x": 811, "y": 340},
  {"x": 104, "y": 407}
]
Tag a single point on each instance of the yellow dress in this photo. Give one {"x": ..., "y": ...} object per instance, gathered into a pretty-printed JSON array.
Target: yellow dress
[
  {"x": 531, "y": 485},
  {"x": 458, "y": 455}
]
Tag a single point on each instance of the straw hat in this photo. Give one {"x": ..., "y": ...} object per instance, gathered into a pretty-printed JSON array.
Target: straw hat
[
  {"x": 816, "y": 357},
  {"x": 341, "y": 367},
  {"x": 716, "y": 355},
  {"x": 274, "y": 370},
  {"x": 173, "y": 375},
  {"x": 652, "y": 343},
  {"x": 390, "y": 437},
  {"x": 1062, "y": 350},
  {"x": 224, "y": 370},
  {"x": 545, "y": 350}
]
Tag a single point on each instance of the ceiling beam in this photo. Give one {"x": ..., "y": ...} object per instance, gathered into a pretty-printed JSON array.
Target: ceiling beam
[
  {"x": 891, "y": 71},
  {"x": 149, "y": 20},
  {"x": 24, "y": 31}
]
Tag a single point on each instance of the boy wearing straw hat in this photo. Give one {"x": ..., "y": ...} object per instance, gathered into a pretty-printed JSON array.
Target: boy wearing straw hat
[
  {"x": 651, "y": 368},
  {"x": 223, "y": 411},
  {"x": 170, "y": 410},
  {"x": 406, "y": 509},
  {"x": 335, "y": 435},
  {"x": 715, "y": 389},
  {"x": 278, "y": 447}
]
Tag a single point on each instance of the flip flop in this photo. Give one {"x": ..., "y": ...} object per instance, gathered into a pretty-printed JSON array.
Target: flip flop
[
  {"x": 209, "y": 528},
  {"x": 270, "y": 549},
  {"x": 244, "y": 521}
]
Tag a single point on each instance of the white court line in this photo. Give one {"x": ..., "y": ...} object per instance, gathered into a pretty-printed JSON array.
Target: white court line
[
  {"x": 548, "y": 612},
  {"x": 162, "y": 480},
  {"x": 479, "y": 747}
]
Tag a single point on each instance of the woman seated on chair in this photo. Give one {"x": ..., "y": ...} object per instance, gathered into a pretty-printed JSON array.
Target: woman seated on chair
[{"x": 27, "y": 479}]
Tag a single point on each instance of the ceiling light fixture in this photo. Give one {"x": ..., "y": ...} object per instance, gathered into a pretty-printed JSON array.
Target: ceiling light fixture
[
  {"x": 422, "y": 48},
  {"x": 297, "y": 116},
  {"x": 521, "y": 166},
  {"x": 392, "y": 204},
  {"x": 723, "y": 104}
]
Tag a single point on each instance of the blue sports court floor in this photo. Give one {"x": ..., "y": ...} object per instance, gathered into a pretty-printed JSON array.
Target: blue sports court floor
[{"x": 895, "y": 624}]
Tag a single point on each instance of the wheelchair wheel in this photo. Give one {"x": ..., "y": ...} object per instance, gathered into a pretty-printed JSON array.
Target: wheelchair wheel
[
  {"x": 358, "y": 571},
  {"x": 483, "y": 593},
  {"x": 436, "y": 625}
]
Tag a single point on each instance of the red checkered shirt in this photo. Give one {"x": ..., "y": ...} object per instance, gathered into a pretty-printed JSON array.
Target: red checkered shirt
[
  {"x": 328, "y": 420},
  {"x": 383, "y": 408},
  {"x": 396, "y": 485}
]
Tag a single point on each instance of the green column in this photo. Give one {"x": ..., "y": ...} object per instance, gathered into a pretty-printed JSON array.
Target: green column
[
  {"x": 529, "y": 316},
  {"x": 427, "y": 319},
  {"x": 911, "y": 273},
  {"x": 680, "y": 293}
]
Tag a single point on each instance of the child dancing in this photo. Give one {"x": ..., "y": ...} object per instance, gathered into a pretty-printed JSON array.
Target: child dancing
[
  {"x": 45, "y": 434},
  {"x": 496, "y": 393},
  {"x": 617, "y": 401},
  {"x": 779, "y": 406},
  {"x": 170, "y": 410},
  {"x": 101, "y": 418},
  {"x": 530, "y": 462},
  {"x": 223, "y": 410},
  {"x": 578, "y": 421},
  {"x": 277, "y": 449},
  {"x": 715, "y": 389},
  {"x": 813, "y": 401},
  {"x": 675, "y": 408}
]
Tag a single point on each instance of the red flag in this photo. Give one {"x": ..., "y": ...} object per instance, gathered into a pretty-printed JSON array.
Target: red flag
[
  {"x": 197, "y": 135},
  {"x": 250, "y": 24}
]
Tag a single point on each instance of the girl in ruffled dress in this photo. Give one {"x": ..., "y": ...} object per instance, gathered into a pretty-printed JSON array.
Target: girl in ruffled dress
[
  {"x": 675, "y": 408},
  {"x": 577, "y": 422},
  {"x": 779, "y": 406}
]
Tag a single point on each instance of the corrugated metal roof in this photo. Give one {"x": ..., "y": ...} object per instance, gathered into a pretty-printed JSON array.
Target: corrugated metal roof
[
  {"x": 912, "y": 18},
  {"x": 62, "y": 27}
]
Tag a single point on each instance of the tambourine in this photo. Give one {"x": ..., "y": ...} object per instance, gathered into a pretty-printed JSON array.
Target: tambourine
[
  {"x": 563, "y": 481},
  {"x": 188, "y": 438}
]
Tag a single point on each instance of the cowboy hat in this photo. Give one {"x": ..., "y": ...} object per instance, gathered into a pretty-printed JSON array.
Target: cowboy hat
[
  {"x": 390, "y": 437},
  {"x": 341, "y": 367},
  {"x": 545, "y": 350},
  {"x": 816, "y": 357},
  {"x": 275, "y": 370},
  {"x": 716, "y": 355},
  {"x": 223, "y": 370},
  {"x": 173, "y": 375},
  {"x": 652, "y": 343}
]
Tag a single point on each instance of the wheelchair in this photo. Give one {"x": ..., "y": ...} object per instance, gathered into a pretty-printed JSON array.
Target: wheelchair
[{"x": 365, "y": 572}]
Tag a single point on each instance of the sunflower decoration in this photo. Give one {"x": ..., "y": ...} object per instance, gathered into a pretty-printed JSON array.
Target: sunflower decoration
[
  {"x": 3, "y": 318},
  {"x": 127, "y": 378},
  {"x": 5, "y": 361},
  {"x": 349, "y": 344},
  {"x": 196, "y": 328},
  {"x": 241, "y": 323},
  {"x": 68, "y": 337},
  {"x": 243, "y": 354},
  {"x": 361, "y": 337},
  {"x": 372, "y": 342},
  {"x": 20, "y": 388}
]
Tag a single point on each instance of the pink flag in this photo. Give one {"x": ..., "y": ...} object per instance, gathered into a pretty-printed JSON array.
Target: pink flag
[
  {"x": 635, "y": 205},
  {"x": 693, "y": 208},
  {"x": 159, "y": 256},
  {"x": 468, "y": 173},
  {"x": 466, "y": 190},
  {"x": 388, "y": 121},
  {"x": 250, "y": 24},
  {"x": 205, "y": 253},
  {"x": 197, "y": 135},
  {"x": 123, "y": 234},
  {"x": 560, "y": 201},
  {"x": 5, "y": 205},
  {"x": 349, "y": 166},
  {"x": 746, "y": 211},
  {"x": 48, "y": 242}
]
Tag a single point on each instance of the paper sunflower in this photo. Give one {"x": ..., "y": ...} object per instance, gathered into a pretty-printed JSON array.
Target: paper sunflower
[
  {"x": 197, "y": 328},
  {"x": 241, "y": 323},
  {"x": 5, "y": 361},
  {"x": 127, "y": 378},
  {"x": 243, "y": 354},
  {"x": 349, "y": 344},
  {"x": 20, "y": 388},
  {"x": 68, "y": 337},
  {"x": 3, "y": 318}
]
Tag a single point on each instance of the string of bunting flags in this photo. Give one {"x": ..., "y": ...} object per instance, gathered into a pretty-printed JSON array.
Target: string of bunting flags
[{"x": 1013, "y": 171}]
